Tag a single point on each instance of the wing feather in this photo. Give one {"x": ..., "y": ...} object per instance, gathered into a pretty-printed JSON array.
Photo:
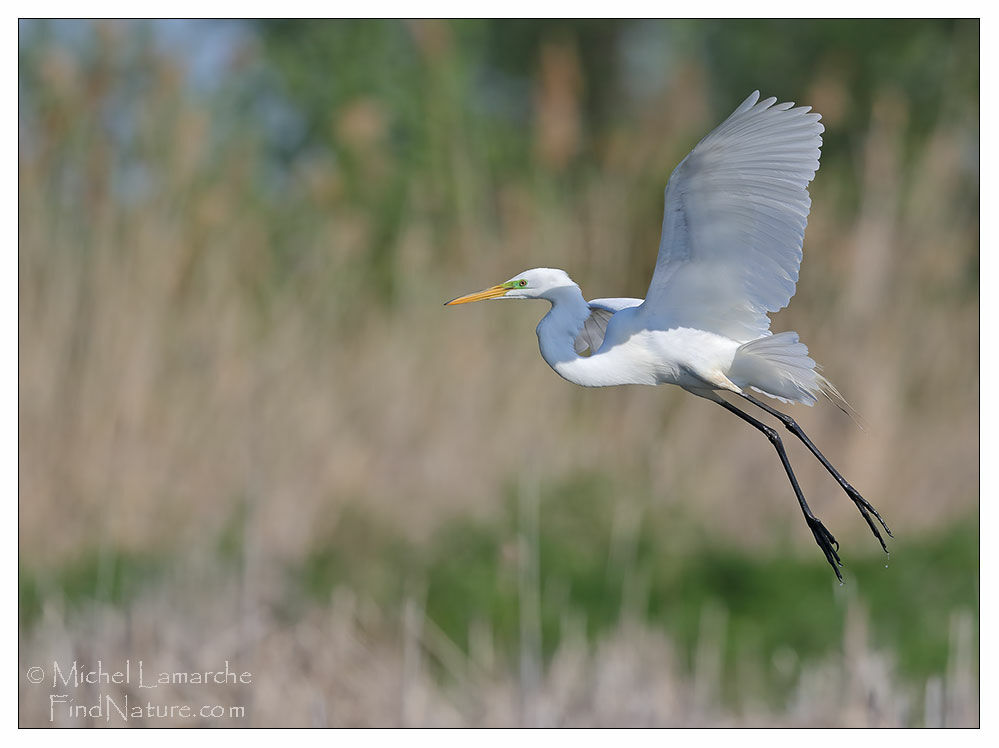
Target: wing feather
[
  {"x": 591, "y": 337},
  {"x": 734, "y": 221}
]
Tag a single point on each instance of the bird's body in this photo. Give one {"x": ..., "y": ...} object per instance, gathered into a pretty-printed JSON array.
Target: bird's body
[
  {"x": 733, "y": 225},
  {"x": 631, "y": 351}
]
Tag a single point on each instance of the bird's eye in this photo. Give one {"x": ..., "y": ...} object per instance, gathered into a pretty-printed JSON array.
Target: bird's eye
[{"x": 522, "y": 283}]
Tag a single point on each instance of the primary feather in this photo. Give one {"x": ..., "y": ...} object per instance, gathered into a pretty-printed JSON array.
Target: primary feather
[{"x": 734, "y": 221}]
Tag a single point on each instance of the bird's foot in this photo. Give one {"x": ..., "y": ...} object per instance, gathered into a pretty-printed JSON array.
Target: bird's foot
[
  {"x": 826, "y": 542},
  {"x": 867, "y": 509}
]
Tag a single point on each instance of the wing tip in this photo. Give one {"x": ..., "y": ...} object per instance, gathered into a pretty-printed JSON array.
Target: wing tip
[
  {"x": 749, "y": 102},
  {"x": 754, "y": 105}
]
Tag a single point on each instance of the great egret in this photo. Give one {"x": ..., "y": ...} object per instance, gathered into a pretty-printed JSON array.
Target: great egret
[{"x": 735, "y": 215}]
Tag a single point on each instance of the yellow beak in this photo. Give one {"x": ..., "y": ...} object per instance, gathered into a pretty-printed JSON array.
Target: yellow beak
[{"x": 489, "y": 293}]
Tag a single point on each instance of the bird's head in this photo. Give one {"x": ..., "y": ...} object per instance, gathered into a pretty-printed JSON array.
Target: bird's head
[{"x": 531, "y": 284}]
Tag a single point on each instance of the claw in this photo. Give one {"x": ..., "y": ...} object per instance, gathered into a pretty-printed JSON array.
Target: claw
[
  {"x": 826, "y": 542},
  {"x": 865, "y": 504},
  {"x": 866, "y": 510}
]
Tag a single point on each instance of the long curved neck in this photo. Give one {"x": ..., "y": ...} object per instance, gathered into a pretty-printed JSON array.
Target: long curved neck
[{"x": 557, "y": 334}]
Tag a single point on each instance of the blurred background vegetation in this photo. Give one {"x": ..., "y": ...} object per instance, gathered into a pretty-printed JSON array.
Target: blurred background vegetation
[{"x": 249, "y": 430}]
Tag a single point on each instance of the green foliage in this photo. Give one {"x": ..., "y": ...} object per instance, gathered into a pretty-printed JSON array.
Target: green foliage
[
  {"x": 484, "y": 571},
  {"x": 473, "y": 571},
  {"x": 362, "y": 551},
  {"x": 452, "y": 108},
  {"x": 381, "y": 126},
  {"x": 106, "y": 577},
  {"x": 928, "y": 60}
]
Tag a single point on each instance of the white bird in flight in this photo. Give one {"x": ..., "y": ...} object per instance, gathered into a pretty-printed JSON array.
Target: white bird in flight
[{"x": 734, "y": 222}]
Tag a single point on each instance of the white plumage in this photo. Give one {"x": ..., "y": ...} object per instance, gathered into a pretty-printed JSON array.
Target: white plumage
[
  {"x": 733, "y": 226},
  {"x": 734, "y": 221}
]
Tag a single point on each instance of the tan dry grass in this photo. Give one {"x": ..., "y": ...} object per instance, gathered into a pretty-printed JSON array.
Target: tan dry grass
[
  {"x": 166, "y": 377},
  {"x": 347, "y": 664},
  {"x": 162, "y": 381}
]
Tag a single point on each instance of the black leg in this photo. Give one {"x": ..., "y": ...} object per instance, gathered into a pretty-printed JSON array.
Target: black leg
[
  {"x": 865, "y": 507},
  {"x": 823, "y": 537}
]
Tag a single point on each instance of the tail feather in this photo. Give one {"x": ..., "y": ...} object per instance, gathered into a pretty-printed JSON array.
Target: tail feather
[
  {"x": 833, "y": 395},
  {"x": 779, "y": 366}
]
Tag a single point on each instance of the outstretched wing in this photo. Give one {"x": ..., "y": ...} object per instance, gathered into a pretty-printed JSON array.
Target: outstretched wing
[
  {"x": 734, "y": 221},
  {"x": 591, "y": 337}
]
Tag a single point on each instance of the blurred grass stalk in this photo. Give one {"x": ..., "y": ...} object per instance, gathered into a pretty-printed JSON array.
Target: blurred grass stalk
[{"x": 347, "y": 664}]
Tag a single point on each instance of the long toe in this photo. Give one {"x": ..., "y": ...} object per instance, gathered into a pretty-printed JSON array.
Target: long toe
[
  {"x": 827, "y": 543},
  {"x": 865, "y": 506},
  {"x": 874, "y": 527},
  {"x": 821, "y": 533},
  {"x": 866, "y": 510}
]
